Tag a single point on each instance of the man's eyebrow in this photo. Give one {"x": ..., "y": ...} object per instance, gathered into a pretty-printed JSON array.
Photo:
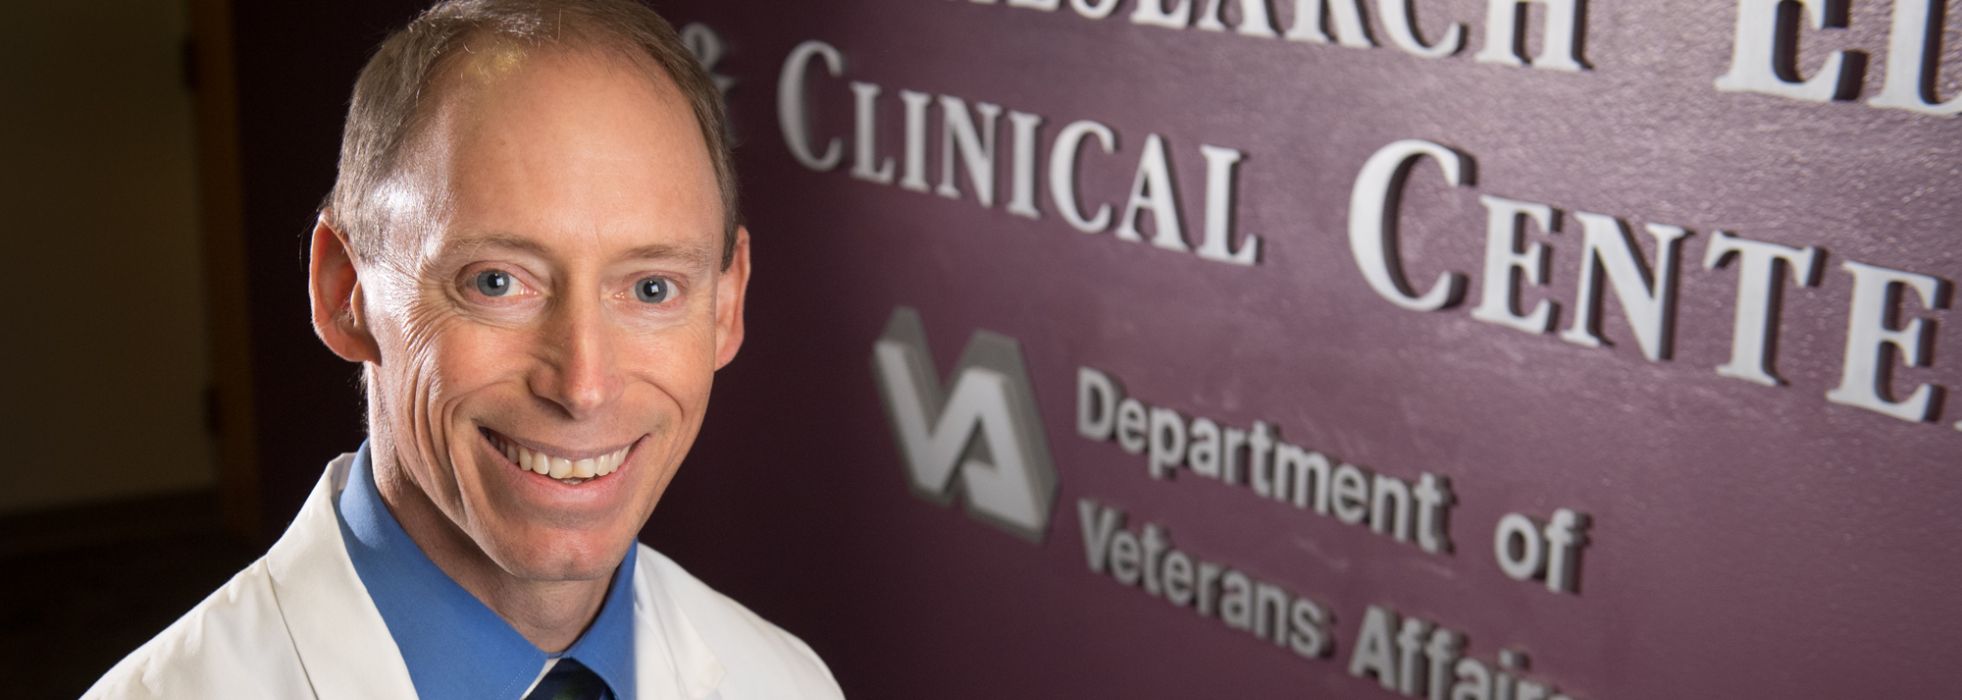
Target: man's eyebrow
[
  {"x": 475, "y": 243},
  {"x": 698, "y": 256}
]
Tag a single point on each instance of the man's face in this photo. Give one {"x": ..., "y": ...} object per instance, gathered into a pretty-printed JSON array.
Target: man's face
[{"x": 564, "y": 312}]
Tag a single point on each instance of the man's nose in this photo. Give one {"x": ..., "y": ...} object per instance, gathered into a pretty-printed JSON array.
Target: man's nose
[{"x": 581, "y": 372}]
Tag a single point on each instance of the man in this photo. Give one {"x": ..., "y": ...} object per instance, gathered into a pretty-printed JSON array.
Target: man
[{"x": 532, "y": 249}]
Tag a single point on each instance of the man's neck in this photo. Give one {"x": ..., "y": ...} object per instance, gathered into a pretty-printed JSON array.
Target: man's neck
[{"x": 551, "y": 614}]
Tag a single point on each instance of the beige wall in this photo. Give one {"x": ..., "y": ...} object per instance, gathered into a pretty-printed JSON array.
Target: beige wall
[{"x": 102, "y": 360}]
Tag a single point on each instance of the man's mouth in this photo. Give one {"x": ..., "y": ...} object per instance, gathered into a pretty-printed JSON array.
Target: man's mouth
[{"x": 565, "y": 469}]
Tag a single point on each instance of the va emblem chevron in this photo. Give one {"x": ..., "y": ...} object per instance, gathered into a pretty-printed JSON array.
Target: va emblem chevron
[{"x": 981, "y": 439}]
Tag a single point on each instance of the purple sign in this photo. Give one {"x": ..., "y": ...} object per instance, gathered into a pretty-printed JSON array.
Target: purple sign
[{"x": 1447, "y": 349}]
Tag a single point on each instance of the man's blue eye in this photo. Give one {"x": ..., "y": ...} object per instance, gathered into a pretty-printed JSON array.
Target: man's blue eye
[
  {"x": 494, "y": 283},
  {"x": 653, "y": 290}
]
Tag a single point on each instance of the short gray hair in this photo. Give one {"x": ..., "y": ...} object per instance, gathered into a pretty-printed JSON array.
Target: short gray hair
[{"x": 387, "y": 105}]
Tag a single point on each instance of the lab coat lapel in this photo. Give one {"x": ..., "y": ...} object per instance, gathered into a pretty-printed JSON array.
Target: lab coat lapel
[
  {"x": 341, "y": 639},
  {"x": 672, "y": 659}
]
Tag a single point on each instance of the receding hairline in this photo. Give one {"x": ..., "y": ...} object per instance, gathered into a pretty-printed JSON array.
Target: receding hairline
[
  {"x": 413, "y": 74},
  {"x": 451, "y": 111},
  {"x": 442, "y": 87},
  {"x": 602, "y": 50}
]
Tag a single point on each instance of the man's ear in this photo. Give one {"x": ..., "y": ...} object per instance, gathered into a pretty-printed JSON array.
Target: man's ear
[
  {"x": 334, "y": 286},
  {"x": 729, "y": 291}
]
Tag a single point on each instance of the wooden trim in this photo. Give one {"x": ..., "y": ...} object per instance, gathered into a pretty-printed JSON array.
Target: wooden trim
[{"x": 223, "y": 215}]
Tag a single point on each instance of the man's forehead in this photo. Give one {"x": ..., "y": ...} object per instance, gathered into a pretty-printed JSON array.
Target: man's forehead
[
  {"x": 489, "y": 73},
  {"x": 520, "y": 141}
]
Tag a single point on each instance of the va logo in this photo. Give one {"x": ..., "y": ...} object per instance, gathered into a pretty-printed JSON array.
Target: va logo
[{"x": 983, "y": 430}]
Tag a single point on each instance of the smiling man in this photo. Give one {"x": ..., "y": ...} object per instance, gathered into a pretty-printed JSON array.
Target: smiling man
[{"x": 532, "y": 250}]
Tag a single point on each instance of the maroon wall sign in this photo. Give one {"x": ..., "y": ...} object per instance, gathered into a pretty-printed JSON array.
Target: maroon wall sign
[{"x": 1447, "y": 349}]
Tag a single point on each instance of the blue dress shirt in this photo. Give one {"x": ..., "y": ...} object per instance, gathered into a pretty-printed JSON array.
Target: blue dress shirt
[{"x": 454, "y": 645}]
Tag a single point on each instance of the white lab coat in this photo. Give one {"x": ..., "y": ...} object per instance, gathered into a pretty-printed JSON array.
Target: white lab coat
[{"x": 298, "y": 623}]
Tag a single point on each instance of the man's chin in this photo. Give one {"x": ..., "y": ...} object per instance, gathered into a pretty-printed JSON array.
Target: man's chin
[{"x": 584, "y": 557}]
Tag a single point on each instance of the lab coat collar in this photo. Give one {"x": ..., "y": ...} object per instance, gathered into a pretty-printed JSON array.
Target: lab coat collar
[
  {"x": 348, "y": 653},
  {"x": 664, "y": 640},
  {"x": 341, "y": 639}
]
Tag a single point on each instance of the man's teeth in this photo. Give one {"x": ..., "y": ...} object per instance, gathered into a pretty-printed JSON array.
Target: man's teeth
[{"x": 562, "y": 468}]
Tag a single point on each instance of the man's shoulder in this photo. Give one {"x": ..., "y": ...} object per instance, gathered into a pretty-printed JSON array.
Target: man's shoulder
[
  {"x": 754, "y": 653},
  {"x": 296, "y": 623},
  {"x": 201, "y": 654}
]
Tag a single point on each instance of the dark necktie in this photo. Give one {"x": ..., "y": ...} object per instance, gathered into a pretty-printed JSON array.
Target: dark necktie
[{"x": 570, "y": 680}]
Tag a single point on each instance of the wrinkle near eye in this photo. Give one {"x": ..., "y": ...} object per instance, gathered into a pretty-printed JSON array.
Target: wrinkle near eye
[{"x": 421, "y": 326}]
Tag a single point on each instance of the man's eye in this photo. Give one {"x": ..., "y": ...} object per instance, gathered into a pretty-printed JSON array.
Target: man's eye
[
  {"x": 653, "y": 290},
  {"x": 494, "y": 283}
]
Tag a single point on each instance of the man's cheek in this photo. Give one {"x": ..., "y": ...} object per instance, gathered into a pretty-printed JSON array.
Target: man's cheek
[
  {"x": 471, "y": 355},
  {"x": 679, "y": 360}
]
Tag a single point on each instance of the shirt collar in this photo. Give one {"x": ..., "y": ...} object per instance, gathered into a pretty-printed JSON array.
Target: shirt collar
[{"x": 454, "y": 645}]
